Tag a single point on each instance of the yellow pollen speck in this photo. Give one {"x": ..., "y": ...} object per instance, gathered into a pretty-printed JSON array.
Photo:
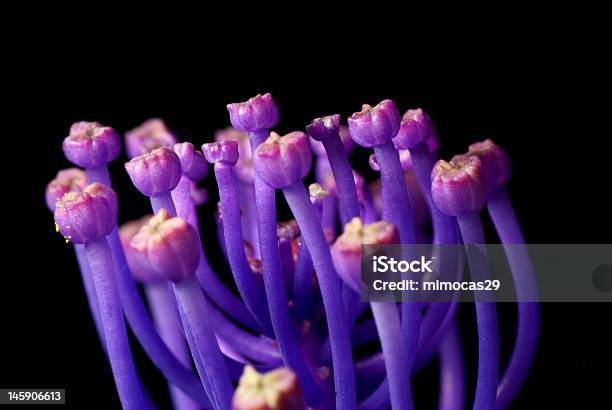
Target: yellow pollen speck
[{"x": 56, "y": 227}]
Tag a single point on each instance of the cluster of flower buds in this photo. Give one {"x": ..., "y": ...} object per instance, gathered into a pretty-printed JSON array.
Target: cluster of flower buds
[{"x": 286, "y": 337}]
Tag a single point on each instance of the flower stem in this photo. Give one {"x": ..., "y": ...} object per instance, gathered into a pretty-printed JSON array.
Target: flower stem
[
  {"x": 115, "y": 333},
  {"x": 90, "y": 291},
  {"x": 306, "y": 216},
  {"x": 303, "y": 292},
  {"x": 452, "y": 371},
  {"x": 509, "y": 231},
  {"x": 486, "y": 316},
  {"x": 163, "y": 201},
  {"x": 202, "y": 342}
]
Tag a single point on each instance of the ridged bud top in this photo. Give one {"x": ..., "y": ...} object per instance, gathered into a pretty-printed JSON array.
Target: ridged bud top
[
  {"x": 496, "y": 165},
  {"x": 323, "y": 128},
  {"x": 244, "y": 166},
  {"x": 258, "y": 113},
  {"x": 193, "y": 164},
  {"x": 155, "y": 172},
  {"x": 346, "y": 250},
  {"x": 283, "y": 161},
  {"x": 225, "y": 152},
  {"x": 170, "y": 245},
  {"x": 66, "y": 180},
  {"x": 84, "y": 216},
  {"x": 91, "y": 144},
  {"x": 150, "y": 135},
  {"x": 278, "y": 389},
  {"x": 457, "y": 187},
  {"x": 416, "y": 127},
  {"x": 374, "y": 125}
]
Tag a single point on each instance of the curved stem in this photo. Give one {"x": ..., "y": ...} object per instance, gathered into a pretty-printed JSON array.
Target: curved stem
[
  {"x": 525, "y": 345},
  {"x": 379, "y": 399},
  {"x": 90, "y": 290},
  {"x": 389, "y": 331},
  {"x": 117, "y": 344},
  {"x": 163, "y": 201},
  {"x": 202, "y": 341},
  {"x": 452, "y": 371},
  {"x": 303, "y": 288},
  {"x": 306, "y": 216},
  {"x": 163, "y": 312},
  {"x": 486, "y": 316},
  {"x": 250, "y": 289}
]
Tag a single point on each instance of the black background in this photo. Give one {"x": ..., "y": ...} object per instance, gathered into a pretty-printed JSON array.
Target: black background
[{"x": 543, "y": 101}]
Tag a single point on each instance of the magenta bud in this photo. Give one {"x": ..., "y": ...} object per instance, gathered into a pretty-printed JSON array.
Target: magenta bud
[
  {"x": 496, "y": 165},
  {"x": 88, "y": 215},
  {"x": 170, "y": 245},
  {"x": 150, "y": 135},
  {"x": 405, "y": 160},
  {"x": 66, "y": 180},
  {"x": 278, "y": 389},
  {"x": 323, "y": 128},
  {"x": 91, "y": 144},
  {"x": 138, "y": 263},
  {"x": 155, "y": 172},
  {"x": 374, "y": 125},
  {"x": 283, "y": 161},
  {"x": 225, "y": 152},
  {"x": 244, "y": 166},
  {"x": 193, "y": 164},
  {"x": 416, "y": 127},
  {"x": 457, "y": 187},
  {"x": 258, "y": 113},
  {"x": 346, "y": 251}
]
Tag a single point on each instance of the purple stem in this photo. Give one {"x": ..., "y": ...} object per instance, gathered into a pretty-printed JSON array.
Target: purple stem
[
  {"x": 379, "y": 399},
  {"x": 389, "y": 330},
  {"x": 303, "y": 292},
  {"x": 138, "y": 317},
  {"x": 163, "y": 312},
  {"x": 202, "y": 342},
  {"x": 250, "y": 289},
  {"x": 509, "y": 231},
  {"x": 275, "y": 285},
  {"x": 247, "y": 204},
  {"x": 117, "y": 344},
  {"x": 287, "y": 265},
  {"x": 306, "y": 216},
  {"x": 486, "y": 316},
  {"x": 209, "y": 281},
  {"x": 90, "y": 290},
  {"x": 163, "y": 201},
  {"x": 452, "y": 371}
]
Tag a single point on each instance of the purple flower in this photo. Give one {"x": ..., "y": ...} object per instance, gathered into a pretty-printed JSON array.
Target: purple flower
[
  {"x": 416, "y": 127},
  {"x": 495, "y": 164},
  {"x": 66, "y": 180},
  {"x": 193, "y": 164},
  {"x": 224, "y": 151},
  {"x": 244, "y": 166},
  {"x": 170, "y": 245},
  {"x": 91, "y": 144},
  {"x": 346, "y": 251},
  {"x": 374, "y": 125},
  {"x": 283, "y": 161},
  {"x": 276, "y": 390},
  {"x": 457, "y": 187},
  {"x": 150, "y": 135},
  {"x": 87, "y": 215},
  {"x": 258, "y": 113},
  {"x": 155, "y": 172},
  {"x": 139, "y": 264}
]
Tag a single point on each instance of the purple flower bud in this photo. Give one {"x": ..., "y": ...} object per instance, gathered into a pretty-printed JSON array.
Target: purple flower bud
[
  {"x": 170, "y": 245},
  {"x": 193, "y": 164},
  {"x": 91, "y": 144},
  {"x": 416, "y": 127},
  {"x": 244, "y": 166},
  {"x": 374, "y": 125},
  {"x": 278, "y": 389},
  {"x": 139, "y": 264},
  {"x": 150, "y": 135},
  {"x": 346, "y": 251},
  {"x": 155, "y": 172},
  {"x": 496, "y": 165},
  {"x": 283, "y": 161},
  {"x": 457, "y": 187},
  {"x": 87, "y": 215},
  {"x": 323, "y": 128},
  {"x": 405, "y": 160},
  {"x": 224, "y": 152},
  {"x": 258, "y": 113},
  {"x": 66, "y": 180}
]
